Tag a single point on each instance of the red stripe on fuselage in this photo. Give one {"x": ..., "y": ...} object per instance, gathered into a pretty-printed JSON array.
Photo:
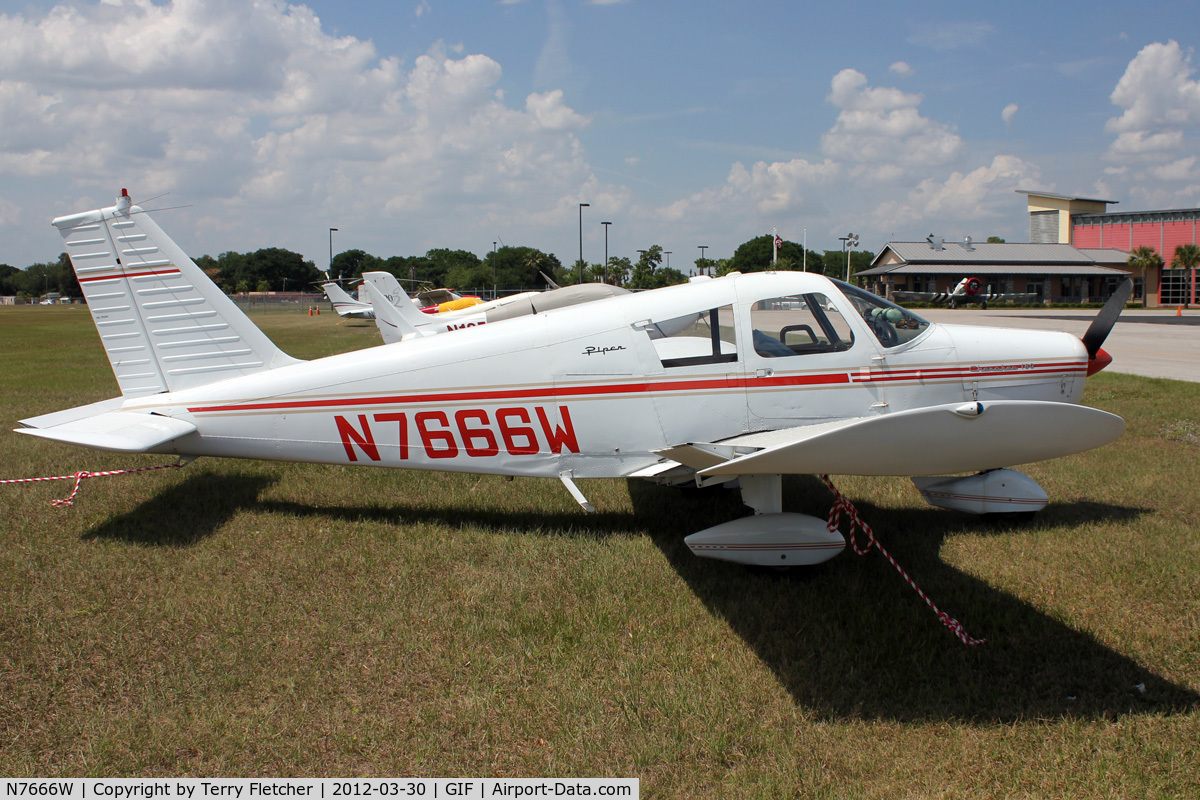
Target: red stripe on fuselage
[{"x": 709, "y": 384}]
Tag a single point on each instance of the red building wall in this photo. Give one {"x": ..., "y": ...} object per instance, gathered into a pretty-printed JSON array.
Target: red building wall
[
  {"x": 1086, "y": 236},
  {"x": 1116, "y": 236},
  {"x": 1164, "y": 236},
  {"x": 1146, "y": 234},
  {"x": 1175, "y": 233}
]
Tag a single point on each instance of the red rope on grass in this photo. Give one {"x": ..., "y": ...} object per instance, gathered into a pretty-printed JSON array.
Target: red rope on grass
[
  {"x": 840, "y": 504},
  {"x": 78, "y": 477}
]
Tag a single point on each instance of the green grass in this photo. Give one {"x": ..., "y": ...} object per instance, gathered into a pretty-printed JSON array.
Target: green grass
[{"x": 244, "y": 618}]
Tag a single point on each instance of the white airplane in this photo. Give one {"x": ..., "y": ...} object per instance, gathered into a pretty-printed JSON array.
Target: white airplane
[
  {"x": 968, "y": 290},
  {"x": 745, "y": 377},
  {"x": 345, "y": 305},
  {"x": 398, "y": 317}
]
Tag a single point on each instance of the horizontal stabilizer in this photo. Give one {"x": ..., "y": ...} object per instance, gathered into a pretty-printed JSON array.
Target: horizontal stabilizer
[
  {"x": 119, "y": 431},
  {"x": 73, "y": 414},
  {"x": 928, "y": 441}
]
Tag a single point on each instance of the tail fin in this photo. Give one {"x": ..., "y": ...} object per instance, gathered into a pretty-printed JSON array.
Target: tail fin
[
  {"x": 388, "y": 286},
  {"x": 164, "y": 324},
  {"x": 393, "y": 326},
  {"x": 407, "y": 317},
  {"x": 344, "y": 304}
]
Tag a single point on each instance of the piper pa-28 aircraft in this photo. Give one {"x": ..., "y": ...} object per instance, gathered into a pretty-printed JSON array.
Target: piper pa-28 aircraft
[{"x": 745, "y": 377}]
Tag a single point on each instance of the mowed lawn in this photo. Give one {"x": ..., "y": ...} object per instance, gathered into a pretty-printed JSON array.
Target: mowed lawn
[{"x": 240, "y": 618}]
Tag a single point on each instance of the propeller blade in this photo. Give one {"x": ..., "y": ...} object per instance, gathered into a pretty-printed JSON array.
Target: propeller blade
[{"x": 1098, "y": 331}]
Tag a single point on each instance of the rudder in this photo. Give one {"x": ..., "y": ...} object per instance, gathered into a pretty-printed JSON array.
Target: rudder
[{"x": 164, "y": 324}]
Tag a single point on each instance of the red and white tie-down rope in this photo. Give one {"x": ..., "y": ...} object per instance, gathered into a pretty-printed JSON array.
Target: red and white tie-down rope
[
  {"x": 857, "y": 523},
  {"x": 78, "y": 477}
]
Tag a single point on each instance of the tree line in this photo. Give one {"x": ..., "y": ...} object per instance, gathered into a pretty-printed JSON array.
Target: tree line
[{"x": 507, "y": 268}]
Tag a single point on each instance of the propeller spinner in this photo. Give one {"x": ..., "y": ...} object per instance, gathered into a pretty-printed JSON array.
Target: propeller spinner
[{"x": 1098, "y": 331}]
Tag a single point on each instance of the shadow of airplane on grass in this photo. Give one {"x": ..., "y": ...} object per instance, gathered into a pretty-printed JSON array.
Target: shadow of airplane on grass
[
  {"x": 185, "y": 513},
  {"x": 850, "y": 639},
  {"x": 597, "y": 525},
  {"x": 198, "y": 506}
]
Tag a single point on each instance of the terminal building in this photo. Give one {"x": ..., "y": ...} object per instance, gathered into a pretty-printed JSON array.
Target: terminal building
[{"x": 1077, "y": 252}]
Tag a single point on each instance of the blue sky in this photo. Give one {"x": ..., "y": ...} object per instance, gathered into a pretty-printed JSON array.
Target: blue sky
[{"x": 411, "y": 125}]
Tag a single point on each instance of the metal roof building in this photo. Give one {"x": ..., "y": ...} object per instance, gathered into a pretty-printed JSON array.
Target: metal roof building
[
  {"x": 1087, "y": 223},
  {"x": 1054, "y": 272}
]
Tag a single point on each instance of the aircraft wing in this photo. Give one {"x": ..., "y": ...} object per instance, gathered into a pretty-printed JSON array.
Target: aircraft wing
[
  {"x": 119, "y": 431},
  {"x": 916, "y": 297},
  {"x": 936, "y": 440},
  {"x": 979, "y": 297}
]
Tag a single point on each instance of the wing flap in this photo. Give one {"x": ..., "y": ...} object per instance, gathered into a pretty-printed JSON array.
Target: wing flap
[
  {"x": 119, "y": 431},
  {"x": 931, "y": 441}
]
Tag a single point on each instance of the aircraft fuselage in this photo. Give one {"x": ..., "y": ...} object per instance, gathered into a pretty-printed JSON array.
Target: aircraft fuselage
[{"x": 595, "y": 389}]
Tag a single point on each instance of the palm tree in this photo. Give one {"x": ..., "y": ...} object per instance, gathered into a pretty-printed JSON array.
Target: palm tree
[
  {"x": 1187, "y": 256},
  {"x": 1143, "y": 258}
]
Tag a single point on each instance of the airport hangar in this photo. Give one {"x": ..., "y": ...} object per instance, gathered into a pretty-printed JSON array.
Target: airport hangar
[{"x": 1077, "y": 252}]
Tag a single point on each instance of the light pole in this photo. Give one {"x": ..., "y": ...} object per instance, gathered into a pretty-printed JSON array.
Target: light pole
[
  {"x": 582, "y": 206},
  {"x": 493, "y": 270},
  {"x": 667, "y": 253},
  {"x": 849, "y": 242},
  {"x": 606, "y": 224},
  {"x": 703, "y": 247},
  {"x": 331, "y": 230}
]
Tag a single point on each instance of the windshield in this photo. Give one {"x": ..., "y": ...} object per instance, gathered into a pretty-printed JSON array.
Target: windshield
[{"x": 890, "y": 323}]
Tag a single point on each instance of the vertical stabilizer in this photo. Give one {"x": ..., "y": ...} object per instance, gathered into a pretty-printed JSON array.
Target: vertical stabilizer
[
  {"x": 164, "y": 324},
  {"x": 344, "y": 304},
  {"x": 387, "y": 284},
  {"x": 387, "y": 288},
  {"x": 393, "y": 327}
]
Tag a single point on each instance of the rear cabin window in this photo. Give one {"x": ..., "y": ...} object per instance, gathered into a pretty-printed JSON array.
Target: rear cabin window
[
  {"x": 798, "y": 324},
  {"x": 704, "y": 337}
]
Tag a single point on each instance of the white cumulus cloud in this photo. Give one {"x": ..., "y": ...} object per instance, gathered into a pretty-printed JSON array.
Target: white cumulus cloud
[
  {"x": 983, "y": 193},
  {"x": 762, "y": 190},
  {"x": 1160, "y": 102},
  {"x": 881, "y": 130},
  {"x": 252, "y": 105},
  {"x": 1009, "y": 112}
]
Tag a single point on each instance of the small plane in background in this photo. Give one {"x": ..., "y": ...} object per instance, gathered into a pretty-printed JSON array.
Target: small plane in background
[
  {"x": 968, "y": 290},
  {"x": 439, "y": 301},
  {"x": 345, "y": 305},
  {"x": 432, "y": 301},
  {"x": 398, "y": 318},
  {"x": 743, "y": 378}
]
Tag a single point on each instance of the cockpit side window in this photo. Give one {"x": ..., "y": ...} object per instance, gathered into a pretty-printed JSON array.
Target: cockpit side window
[
  {"x": 704, "y": 337},
  {"x": 798, "y": 324},
  {"x": 891, "y": 324}
]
